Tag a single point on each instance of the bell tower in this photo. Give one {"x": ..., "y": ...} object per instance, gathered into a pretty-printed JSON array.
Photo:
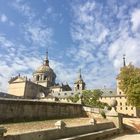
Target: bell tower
[{"x": 79, "y": 84}]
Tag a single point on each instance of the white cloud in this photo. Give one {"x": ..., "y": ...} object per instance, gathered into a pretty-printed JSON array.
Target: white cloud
[
  {"x": 38, "y": 35},
  {"x": 18, "y": 60},
  {"x": 89, "y": 32},
  {"x": 104, "y": 37},
  {"x": 125, "y": 44},
  {"x": 24, "y": 9},
  {"x": 34, "y": 30},
  {"x": 3, "y": 18},
  {"x": 101, "y": 35},
  {"x": 135, "y": 19},
  {"x": 86, "y": 26}
]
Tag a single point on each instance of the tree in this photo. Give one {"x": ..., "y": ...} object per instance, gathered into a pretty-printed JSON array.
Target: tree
[
  {"x": 91, "y": 98},
  {"x": 129, "y": 78},
  {"x": 74, "y": 99}
]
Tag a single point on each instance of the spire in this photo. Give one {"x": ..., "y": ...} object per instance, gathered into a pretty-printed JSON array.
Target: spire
[
  {"x": 80, "y": 76},
  {"x": 46, "y": 61},
  {"x": 124, "y": 64},
  {"x": 46, "y": 54}
]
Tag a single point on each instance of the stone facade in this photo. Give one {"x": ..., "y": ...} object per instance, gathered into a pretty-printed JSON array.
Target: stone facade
[
  {"x": 43, "y": 82},
  {"x": 43, "y": 85},
  {"x": 122, "y": 105},
  {"x": 24, "y": 88},
  {"x": 17, "y": 86}
]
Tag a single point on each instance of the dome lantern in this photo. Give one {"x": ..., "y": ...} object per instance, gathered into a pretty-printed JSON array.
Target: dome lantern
[{"x": 44, "y": 75}]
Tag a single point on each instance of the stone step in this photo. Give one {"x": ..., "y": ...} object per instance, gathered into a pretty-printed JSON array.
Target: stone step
[{"x": 95, "y": 135}]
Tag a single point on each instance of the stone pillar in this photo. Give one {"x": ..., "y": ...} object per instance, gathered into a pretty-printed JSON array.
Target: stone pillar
[
  {"x": 2, "y": 131},
  {"x": 60, "y": 124},
  {"x": 114, "y": 116}
]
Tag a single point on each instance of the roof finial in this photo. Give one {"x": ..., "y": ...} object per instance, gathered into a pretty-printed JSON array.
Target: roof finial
[
  {"x": 46, "y": 53},
  {"x": 80, "y": 76},
  {"x": 80, "y": 71},
  {"x": 46, "y": 61},
  {"x": 124, "y": 64}
]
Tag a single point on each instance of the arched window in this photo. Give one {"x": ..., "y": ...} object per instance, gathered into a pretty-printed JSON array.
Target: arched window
[
  {"x": 78, "y": 86},
  {"x": 45, "y": 77},
  {"x": 37, "y": 78}
]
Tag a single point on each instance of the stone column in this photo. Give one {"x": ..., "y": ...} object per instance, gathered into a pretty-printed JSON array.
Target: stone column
[{"x": 114, "y": 116}]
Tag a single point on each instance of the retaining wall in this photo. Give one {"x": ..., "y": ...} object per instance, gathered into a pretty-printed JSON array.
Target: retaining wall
[
  {"x": 53, "y": 134},
  {"x": 15, "y": 110}
]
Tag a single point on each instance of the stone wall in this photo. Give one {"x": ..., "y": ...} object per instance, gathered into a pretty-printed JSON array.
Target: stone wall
[
  {"x": 17, "y": 89},
  {"x": 13, "y": 110},
  {"x": 33, "y": 89},
  {"x": 92, "y": 112},
  {"x": 52, "y": 134}
]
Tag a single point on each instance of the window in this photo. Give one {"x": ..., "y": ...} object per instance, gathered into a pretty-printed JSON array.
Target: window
[
  {"x": 120, "y": 108},
  {"x": 65, "y": 93},
  {"x": 120, "y": 103},
  {"x": 78, "y": 86},
  {"x": 120, "y": 97},
  {"x": 125, "y": 103},
  {"x": 45, "y": 77},
  {"x": 110, "y": 92},
  {"x": 71, "y": 93},
  {"x": 58, "y": 93},
  {"x": 37, "y": 78},
  {"x": 126, "y": 108},
  {"x": 119, "y": 92},
  {"x": 131, "y": 108}
]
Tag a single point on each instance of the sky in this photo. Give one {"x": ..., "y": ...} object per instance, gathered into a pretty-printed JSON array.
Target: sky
[{"x": 91, "y": 35}]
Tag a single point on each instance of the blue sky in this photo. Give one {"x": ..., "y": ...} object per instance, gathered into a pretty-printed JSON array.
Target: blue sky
[{"x": 89, "y": 34}]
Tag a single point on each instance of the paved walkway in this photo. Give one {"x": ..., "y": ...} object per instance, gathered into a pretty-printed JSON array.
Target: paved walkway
[{"x": 127, "y": 137}]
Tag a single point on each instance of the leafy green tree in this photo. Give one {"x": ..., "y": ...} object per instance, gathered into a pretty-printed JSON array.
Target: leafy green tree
[
  {"x": 130, "y": 84},
  {"x": 74, "y": 99},
  {"x": 91, "y": 98}
]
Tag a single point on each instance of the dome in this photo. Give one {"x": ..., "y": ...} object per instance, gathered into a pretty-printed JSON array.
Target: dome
[
  {"x": 43, "y": 69},
  {"x": 80, "y": 81},
  {"x": 44, "y": 75}
]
